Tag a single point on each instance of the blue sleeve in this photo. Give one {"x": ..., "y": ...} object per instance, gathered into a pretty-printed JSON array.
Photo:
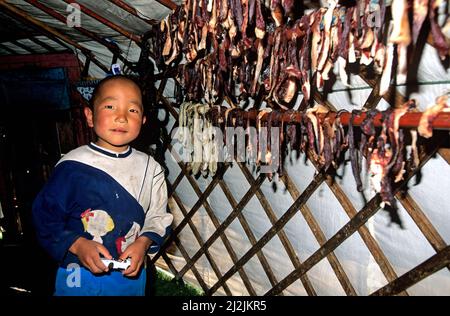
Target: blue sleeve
[
  {"x": 51, "y": 213},
  {"x": 157, "y": 239}
]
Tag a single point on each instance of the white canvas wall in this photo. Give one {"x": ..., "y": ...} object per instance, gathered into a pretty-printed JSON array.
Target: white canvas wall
[{"x": 404, "y": 247}]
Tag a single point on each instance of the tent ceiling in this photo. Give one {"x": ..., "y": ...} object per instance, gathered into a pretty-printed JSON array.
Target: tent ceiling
[
  {"x": 31, "y": 26},
  {"x": 12, "y": 29}
]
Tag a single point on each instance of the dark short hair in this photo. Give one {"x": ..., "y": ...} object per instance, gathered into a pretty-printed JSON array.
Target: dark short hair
[{"x": 102, "y": 82}]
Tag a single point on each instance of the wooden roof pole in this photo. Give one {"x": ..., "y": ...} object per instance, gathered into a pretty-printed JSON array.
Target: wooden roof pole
[
  {"x": 25, "y": 35},
  {"x": 10, "y": 50},
  {"x": 113, "y": 48},
  {"x": 48, "y": 30},
  {"x": 42, "y": 44},
  {"x": 54, "y": 39},
  {"x": 169, "y": 4},
  {"x": 409, "y": 120},
  {"x": 126, "y": 7},
  {"x": 28, "y": 49},
  {"x": 101, "y": 19}
]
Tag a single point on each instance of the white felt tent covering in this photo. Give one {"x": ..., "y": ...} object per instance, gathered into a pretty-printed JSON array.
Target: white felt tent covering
[{"x": 405, "y": 248}]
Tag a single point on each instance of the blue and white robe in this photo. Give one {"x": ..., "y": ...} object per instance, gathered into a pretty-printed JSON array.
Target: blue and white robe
[{"x": 112, "y": 198}]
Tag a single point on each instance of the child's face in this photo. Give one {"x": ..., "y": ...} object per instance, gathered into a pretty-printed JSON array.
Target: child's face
[{"x": 118, "y": 114}]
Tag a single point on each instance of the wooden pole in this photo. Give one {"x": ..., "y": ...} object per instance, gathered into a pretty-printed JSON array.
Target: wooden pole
[
  {"x": 10, "y": 50},
  {"x": 169, "y": 4},
  {"x": 28, "y": 49},
  {"x": 43, "y": 45},
  {"x": 126, "y": 7},
  {"x": 428, "y": 267},
  {"x": 409, "y": 120}
]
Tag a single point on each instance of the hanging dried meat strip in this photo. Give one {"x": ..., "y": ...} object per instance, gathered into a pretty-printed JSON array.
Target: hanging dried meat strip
[
  {"x": 354, "y": 154},
  {"x": 426, "y": 120}
]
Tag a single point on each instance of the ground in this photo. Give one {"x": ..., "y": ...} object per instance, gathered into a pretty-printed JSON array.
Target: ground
[{"x": 25, "y": 269}]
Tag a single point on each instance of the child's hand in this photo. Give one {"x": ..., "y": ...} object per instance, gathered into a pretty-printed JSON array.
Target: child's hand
[
  {"x": 137, "y": 252},
  {"x": 88, "y": 252}
]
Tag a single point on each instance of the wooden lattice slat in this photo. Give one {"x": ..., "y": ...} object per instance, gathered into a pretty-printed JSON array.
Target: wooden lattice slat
[
  {"x": 283, "y": 238},
  {"x": 251, "y": 237},
  {"x": 239, "y": 207},
  {"x": 372, "y": 245},
  {"x": 200, "y": 241},
  {"x": 422, "y": 222},
  {"x": 175, "y": 183},
  {"x": 194, "y": 270},
  {"x": 228, "y": 247},
  {"x": 306, "y": 194},
  {"x": 352, "y": 226},
  {"x": 430, "y": 266},
  {"x": 321, "y": 239},
  {"x": 356, "y": 223},
  {"x": 216, "y": 224},
  {"x": 191, "y": 213}
]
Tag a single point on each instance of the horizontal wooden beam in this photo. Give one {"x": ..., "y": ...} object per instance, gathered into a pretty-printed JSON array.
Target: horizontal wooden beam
[{"x": 409, "y": 120}]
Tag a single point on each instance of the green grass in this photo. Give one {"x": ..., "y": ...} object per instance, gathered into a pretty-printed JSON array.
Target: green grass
[{"x": 166, "y": 285}]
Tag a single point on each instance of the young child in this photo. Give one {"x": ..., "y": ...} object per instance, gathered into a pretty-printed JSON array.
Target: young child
[{"x": 104, "y": 200}]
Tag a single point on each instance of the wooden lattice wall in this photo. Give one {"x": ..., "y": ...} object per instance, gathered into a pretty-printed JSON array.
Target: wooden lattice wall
[{"x": 356, "y": 224}]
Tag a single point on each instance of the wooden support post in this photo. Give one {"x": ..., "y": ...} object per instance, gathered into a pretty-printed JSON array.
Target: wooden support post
[
  {"x": 114, "y": 59},
  {"x": 87, "y": 63}
]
